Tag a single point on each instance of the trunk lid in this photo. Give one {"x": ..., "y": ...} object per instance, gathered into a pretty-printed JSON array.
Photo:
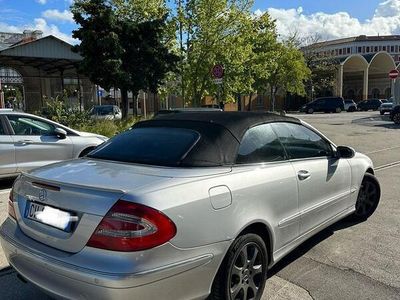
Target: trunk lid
[{"x": 86, "y": 189}]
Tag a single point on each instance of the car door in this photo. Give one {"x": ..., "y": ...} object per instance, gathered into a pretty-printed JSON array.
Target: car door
[
  {"x": 7, "y": 150},
  {"x": 324, "y": 181},
  {"x": 35, "y": 142},
  {"x": 266, "y": 183}
]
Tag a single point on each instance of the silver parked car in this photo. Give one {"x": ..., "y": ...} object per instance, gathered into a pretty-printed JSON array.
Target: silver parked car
[
  {"x": 386, "y": 108},
  {"x": 105, "y": 112},
  {"x": 28, "y": 141},
  {"x": 185, "y": 206}
]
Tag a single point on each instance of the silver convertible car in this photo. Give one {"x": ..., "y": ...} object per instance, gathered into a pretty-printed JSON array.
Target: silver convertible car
[
  {"x": 186, "y": 206},
  {"x": 28, "y": 141}
]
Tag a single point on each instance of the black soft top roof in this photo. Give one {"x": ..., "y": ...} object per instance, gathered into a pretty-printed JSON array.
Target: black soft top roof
[{"x": 221, "y": 133}]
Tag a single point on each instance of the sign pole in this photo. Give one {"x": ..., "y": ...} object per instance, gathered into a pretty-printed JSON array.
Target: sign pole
[{"x": 393, "y": 75}]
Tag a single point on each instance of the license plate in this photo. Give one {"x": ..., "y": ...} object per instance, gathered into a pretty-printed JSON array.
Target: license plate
[{"x": 49, "y": 215}]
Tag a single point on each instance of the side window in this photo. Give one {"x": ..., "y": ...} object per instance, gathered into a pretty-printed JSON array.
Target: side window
[
  {"x": 301, "y": 142},
  {"x": 2, "y": 131},
  {"x": 260, "y": 144},
  {"x": 23, "y": 125}
]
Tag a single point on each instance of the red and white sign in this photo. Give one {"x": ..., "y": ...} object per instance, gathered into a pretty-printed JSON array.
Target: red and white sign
[
  {"x": 393, "y": 74},
  {"x": 218, "y": 71}
]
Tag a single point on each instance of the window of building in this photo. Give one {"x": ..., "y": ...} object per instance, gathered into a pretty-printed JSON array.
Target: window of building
[
  {"x": 392, "y": 49},
  {"x": 367, "y": 50},
  {"x": 260, "y": 144},
  {"x": 340, "y": 52},
  {"x": 376, "y": 49},
  {"x": 359, "y": 49},
  {"x": 384, "y": 48},
  {"x": 397, "y": 49},
  {"x": 348, "y": 50}
]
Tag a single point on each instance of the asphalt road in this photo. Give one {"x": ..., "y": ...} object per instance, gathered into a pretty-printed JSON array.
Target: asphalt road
[{"x": 345, "y": 261}]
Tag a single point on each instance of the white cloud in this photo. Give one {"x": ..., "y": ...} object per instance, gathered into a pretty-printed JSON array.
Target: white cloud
[
  {"x": 51, "y": 29},
  {"x": 43, "y": 2},
  {"x": 56, "y": 15},
  {"x": 385, "y": 21},
  {"x": 39, "y": 24}
]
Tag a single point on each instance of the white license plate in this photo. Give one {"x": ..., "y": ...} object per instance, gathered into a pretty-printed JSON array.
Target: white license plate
[{"x": 49, "y": 215}]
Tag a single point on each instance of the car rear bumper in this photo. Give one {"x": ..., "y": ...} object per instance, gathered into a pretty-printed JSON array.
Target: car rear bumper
[{"x": 189, "y": 278}]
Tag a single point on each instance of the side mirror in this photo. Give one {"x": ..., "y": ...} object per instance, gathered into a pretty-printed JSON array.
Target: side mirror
[
  {"x": 60, "y": 133},
  {"x": 345, "y": 152}
]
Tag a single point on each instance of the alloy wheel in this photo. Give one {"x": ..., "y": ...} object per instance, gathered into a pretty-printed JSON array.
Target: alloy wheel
[
  {"x": 396, "y": 118},
  {"x": 367, "y": 198},
  {"x": 246, "y": 274}
]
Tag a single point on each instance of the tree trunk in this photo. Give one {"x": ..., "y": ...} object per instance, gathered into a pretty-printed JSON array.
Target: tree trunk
[
  {"x": 124, "y": 103},
  {"x": 249, "y": 107}
]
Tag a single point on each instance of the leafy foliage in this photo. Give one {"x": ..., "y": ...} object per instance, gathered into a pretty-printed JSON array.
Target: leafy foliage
[{"x": 121, "y": 50}]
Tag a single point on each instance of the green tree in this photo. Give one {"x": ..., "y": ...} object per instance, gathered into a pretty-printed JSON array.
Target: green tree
[
  {"x": 120, "y": 49},
  {"x": 290, "y": 71},
  {"x": 213, "y": 32},
  {"x": 322, "y": 65}
]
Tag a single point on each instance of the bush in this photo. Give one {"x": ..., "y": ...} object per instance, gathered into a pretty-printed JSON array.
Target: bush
[{"x": 56, "y": 110}]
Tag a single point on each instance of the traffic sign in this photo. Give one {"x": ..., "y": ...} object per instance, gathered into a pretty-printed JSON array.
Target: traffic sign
[
  {"x": 393, "y": 74},
  {"x": 218, "y": 71}
]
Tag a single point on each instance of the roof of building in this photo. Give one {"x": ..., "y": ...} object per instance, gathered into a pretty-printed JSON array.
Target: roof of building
[
  {"x": 221, "y": 133},
  {"x": 49, "y": 54},
  {"x": 361, "y": 38}
]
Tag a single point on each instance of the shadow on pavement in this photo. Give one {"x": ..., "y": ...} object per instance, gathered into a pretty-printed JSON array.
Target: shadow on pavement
[
  {"x": 12, "y": 287},
  {"x": 311, "y": 243},
  {"x": 388, "y": 126}
]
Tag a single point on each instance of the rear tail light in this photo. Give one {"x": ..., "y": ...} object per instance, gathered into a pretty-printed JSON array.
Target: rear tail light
[
  {"x": 11, "y": 210},
  {"x": 132, "y": 227}
]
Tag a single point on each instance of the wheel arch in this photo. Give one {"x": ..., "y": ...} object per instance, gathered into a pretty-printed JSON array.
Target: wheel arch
[
  {"x": 370, "y": 171},
  {"x": 265, "y": 232}
]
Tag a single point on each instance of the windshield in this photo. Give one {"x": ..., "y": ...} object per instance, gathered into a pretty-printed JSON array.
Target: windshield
[
  {"x": 102, "y": 110},
  {"x": 162, "y": 146}
]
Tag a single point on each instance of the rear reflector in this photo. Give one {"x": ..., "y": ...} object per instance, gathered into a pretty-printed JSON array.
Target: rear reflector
[
  {"x": 132, "y": 227},
  {"x": 11, "y": 210}
]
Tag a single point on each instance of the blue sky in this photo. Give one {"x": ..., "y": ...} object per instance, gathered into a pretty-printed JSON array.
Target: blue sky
[
  {"x": 325, "y": 18},
  {"x": 361, "y": 9}
]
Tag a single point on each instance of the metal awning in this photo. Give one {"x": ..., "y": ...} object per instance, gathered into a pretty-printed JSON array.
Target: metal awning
[{"x": 49, "y": 54}]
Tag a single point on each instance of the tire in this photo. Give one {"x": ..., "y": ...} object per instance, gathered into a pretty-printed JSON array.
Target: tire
[
  {"x": 86, "y": 152},
  {"x": 338, "y": 110},
  {"x": 368, "y": 197},
  {"x": 310, "y": 111},
  {"x": 382, "y": 113},
  {"x": 396, "y": 118},
  {"x": 237, "y": 274},
  {"x": 351, "y": 109}
]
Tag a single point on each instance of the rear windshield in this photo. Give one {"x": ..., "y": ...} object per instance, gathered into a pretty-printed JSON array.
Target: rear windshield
[{"x": 162, "y": 146}]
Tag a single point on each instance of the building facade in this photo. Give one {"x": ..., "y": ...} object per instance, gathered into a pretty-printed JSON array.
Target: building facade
[
  {"x": 35, "y": 69},
  {"x": 364, "y": 63}
]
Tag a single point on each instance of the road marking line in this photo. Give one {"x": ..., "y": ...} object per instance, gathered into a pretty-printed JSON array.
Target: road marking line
[
  {"x": 381, "y": 150},
  {"x": 387, "y": 166}
]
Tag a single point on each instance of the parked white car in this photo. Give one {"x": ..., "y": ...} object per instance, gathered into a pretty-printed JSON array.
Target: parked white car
[
  {"x": 28, "y": 141},
  {"x": 105, "y": 112}
]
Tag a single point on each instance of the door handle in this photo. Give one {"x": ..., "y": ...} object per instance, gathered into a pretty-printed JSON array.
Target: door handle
[
  {"x": 303, "y": 174},
  {"x": 24, "y": 142}
]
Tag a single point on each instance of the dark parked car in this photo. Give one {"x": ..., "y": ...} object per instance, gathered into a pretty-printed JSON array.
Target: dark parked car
[
  {"x": 370, "y": 104},
  {"x": 327, "y": 105},
  {"x": 395, "y": 114}
]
